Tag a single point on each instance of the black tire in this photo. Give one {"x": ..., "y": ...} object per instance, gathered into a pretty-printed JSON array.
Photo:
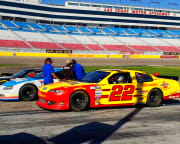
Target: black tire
[
  {"x": 79, "y": 101},
  {"x": 155, "y": 98},
  {"x": 28, "y": 92}
]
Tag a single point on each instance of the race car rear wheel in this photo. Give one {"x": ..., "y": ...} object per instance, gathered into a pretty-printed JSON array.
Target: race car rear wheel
[
  {"x": 79, "y": 101},
  {"x": 28, "y": 92},
  {"x": 154, "y": 98}
]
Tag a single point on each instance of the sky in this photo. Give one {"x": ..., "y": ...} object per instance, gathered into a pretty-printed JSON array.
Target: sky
[{"x": 165, "y": 4}]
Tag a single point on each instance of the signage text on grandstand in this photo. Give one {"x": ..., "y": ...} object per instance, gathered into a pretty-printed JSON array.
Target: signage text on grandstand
[{"x": 136, "y": 11}]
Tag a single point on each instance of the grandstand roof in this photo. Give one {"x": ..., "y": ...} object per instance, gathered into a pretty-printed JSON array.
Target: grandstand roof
[{"x": 165, "y": 4}]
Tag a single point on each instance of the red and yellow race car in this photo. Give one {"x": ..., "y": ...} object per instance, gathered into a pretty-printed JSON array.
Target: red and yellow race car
[{"x": 107, "y": 88}]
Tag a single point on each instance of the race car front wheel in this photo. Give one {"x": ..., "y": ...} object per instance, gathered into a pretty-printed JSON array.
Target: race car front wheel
[
  {"x": 79, "y": 101},
  {"x": 28, "y": 92},
  {"x": 154, "y": 98}
]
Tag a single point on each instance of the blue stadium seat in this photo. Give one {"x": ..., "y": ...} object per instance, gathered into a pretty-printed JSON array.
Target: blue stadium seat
[
  {"x": 128, "y": 31},
  {"x": 148, "y": 33},
  {"x": 138, "y": 31},
  {"x": 117, "y": 30},
  {"x": 71, "y": 29},
  {"x": 48, "y": 27},
  {"x": 8, "y": 24},
  {"x": 94, "y": 30},
  {"x": 84, "y": 30},
  {"x": 108, "y": 31},
  {"x": 36, "y": 26},
  {"x": 158, "y": 32},
  {"x": 1, "y": 27},
  {"x": 60, "y": 28},
  {"x": 22, "y": 25},
  {"x": 168, "y": 32},
  {"x": 176, "y": 32}
]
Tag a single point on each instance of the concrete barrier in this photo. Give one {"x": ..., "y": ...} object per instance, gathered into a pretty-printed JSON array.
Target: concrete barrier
[
  {"x": 116, "y": 56},
  {"x": 6, "y": 53},
  {"x": 145, "y": 56},
  {"x": 30, "y": 54},
  {"x": 41, "y": 54}
]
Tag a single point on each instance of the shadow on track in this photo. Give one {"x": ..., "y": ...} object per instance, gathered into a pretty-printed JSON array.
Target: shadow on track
[
  {"x": 93, "y": 132},
  {"x": 21, "y": 138}
]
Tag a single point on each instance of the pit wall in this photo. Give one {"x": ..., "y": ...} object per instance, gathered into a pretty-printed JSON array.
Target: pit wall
[{"x": 27, "y": 54}]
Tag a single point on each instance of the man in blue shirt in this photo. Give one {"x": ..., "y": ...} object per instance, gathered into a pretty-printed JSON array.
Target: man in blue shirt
[
  {"x": 78, "y": 70},
  {"x": 48, "y": 71}
]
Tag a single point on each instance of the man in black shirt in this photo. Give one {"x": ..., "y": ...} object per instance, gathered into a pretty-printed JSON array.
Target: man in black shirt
[{"x": 67, "y": 71}]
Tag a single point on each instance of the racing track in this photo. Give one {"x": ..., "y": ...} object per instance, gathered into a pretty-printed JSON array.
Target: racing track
[{"x": 26, "y": 123}]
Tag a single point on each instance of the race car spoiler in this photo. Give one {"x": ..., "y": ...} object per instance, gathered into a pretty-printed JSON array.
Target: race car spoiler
[{"x": 170, "y": 77}]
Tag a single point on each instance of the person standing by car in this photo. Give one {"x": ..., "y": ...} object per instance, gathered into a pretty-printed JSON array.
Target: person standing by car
[
  {"x": 67, "y": 71},
  {"x": 78, "y": 70},
  {"x": 48, "y": 71}
]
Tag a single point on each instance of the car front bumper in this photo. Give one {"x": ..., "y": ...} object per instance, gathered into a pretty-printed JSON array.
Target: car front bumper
[
  {"x": 9, "y": 94},
  {"x": 52, "y": 102}
]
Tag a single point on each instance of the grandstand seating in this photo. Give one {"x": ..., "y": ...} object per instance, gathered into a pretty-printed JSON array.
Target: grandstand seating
[
  {"x": 168, "y": 48},
  {"x": 117, "y": 48},
  {"x": 44, "y": 36},
  {"x": 129, "y": 31},
  {"x": 22, "y": 25},
  {"x": 71, "y": 29},
  {"x": 60, "y": 28},
  {"x": 72, "y": 46},
  {"x": 143, "y": 48},
  {"x": 94, "y": 47},
  {"x": 94, "y": 30},
  {"x": 8, "y": 24},
  {"x": 44, "y": 45},
  {"x": 117, "y": 30},
  {"x": 84, "y": 30},
  {"x": 108, "y": 31},
  {"x": 13, "y": 43},
  {"x": 47, "y": 27},
  {"x": 36, "y": 26}
]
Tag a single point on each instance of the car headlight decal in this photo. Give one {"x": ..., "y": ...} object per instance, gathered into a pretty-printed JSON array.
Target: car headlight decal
[
  {"x": 8, "y": 88},
  {"x": 56, "y": 91}
]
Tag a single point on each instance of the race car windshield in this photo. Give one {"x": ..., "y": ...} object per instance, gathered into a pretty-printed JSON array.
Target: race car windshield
[
  {"x": 20, "y": 74},
  {"x": 39, "y": 75},
  {"x": 94, "y": 77}
]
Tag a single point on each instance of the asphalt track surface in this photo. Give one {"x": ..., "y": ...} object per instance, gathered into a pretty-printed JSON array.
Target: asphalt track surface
[{"x": 26, "y": 123}]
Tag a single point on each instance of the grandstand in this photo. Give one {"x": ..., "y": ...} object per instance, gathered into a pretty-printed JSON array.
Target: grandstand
[{"x": 23, "y": 33}]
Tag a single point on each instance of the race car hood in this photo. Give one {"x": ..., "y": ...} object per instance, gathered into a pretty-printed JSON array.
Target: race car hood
[
  {"x": 64, "y": 84},
  {"x": 17, "y": 81}
]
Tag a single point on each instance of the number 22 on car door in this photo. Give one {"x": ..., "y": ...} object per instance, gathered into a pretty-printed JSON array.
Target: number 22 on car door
[
  {"x": 118, "y": 91},
  {"x": 118, "y": 94}
]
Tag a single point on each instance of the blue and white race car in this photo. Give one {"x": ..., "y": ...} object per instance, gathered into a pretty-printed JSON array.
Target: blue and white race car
[
  {"x": 24, "y": 89},
  {"x": 21, "y": 74}
]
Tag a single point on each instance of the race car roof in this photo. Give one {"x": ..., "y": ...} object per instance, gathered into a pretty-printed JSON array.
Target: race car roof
[{"x": 119, "y": 70}]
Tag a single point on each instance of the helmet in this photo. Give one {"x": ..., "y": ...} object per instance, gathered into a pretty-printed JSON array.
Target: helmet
[{"x": 120, "y": 79}]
